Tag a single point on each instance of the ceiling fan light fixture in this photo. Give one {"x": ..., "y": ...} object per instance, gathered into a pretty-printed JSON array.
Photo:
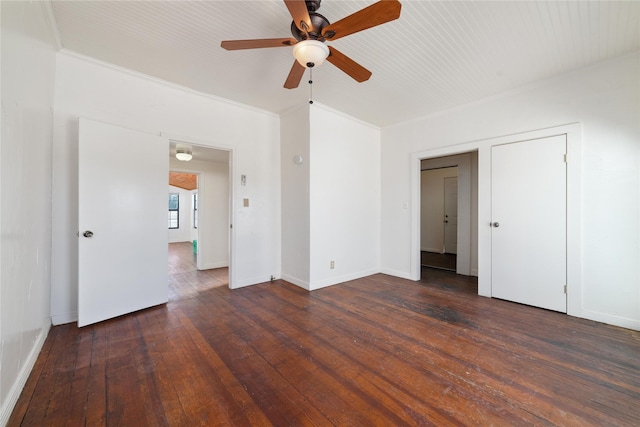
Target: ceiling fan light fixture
[
  {"x": 310, "y": 53},
  {"x": 184, "y": 154}
]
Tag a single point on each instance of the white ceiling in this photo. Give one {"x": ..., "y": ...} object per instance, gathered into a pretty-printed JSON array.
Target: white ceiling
[{"x": 438, "y": 55}]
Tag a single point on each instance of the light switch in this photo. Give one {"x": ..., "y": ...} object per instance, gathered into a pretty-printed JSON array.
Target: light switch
[{"x": 246, "y": 203}]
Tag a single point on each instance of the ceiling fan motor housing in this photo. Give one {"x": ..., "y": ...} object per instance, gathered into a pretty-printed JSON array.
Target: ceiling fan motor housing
[{"x": 318, "y": 22}]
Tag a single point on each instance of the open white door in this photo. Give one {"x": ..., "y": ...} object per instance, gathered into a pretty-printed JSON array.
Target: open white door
[
  {"x": 123, "y": 238},
  {"x": 529, "y": 219}
]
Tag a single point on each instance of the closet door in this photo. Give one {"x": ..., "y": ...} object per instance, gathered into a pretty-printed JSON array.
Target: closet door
[{"x": 529, "y": 222}]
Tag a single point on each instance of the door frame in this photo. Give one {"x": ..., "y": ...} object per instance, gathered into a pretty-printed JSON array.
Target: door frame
[
  {"x": 221, "y": 147},
  {"x": 573, "y": 131}
]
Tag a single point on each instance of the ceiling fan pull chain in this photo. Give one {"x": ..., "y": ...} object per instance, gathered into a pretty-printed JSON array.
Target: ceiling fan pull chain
[{"x": 310, "y": 85}]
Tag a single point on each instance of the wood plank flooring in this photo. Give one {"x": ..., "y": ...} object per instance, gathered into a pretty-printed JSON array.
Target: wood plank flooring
[
  {"x": 438, "y": 260},
  {"x": 374, "y": 351}
]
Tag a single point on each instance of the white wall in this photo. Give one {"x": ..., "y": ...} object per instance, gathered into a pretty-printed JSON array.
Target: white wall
[
  {"x": 28, "y": 71},
  {"x": 85, "y": 88},
  {"x": 213, "y": 211},
  {"x": 185, "y": 216},
  {"x": 331, "y": 201},
  {"x": 344, "y": 208},
  {"x": 605, "y": 99},
  {"x": 295, "y": 140}
]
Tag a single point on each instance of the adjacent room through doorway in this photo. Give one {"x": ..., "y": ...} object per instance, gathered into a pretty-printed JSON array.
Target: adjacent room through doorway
[
  {"x": 201, "y": 183},
  {"x": 185, "y": 279},
  {"x": 183, "y": 210},
  {"x": 447, "y": 213},
  {"x": 439, "y": 218}
]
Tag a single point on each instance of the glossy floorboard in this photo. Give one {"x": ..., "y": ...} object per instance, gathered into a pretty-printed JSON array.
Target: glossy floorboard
[
  {"x": 374, "y": 351},
  {"x": 438, "y": 260}
]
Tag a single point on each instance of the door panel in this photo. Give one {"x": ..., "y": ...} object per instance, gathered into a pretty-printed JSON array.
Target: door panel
[
  {"x": 123, "y": 201},
  {"x": 528, "y": 238},
  {"x": 451, "y": 215}
]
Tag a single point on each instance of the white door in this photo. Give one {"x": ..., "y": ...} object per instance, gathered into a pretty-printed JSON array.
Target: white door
[
  {"x": 123, "y": 237},
  {"x": 451, "y": 215},
  {"x": 528, "y": 208}
]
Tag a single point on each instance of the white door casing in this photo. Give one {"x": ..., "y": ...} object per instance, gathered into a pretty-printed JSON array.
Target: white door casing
[
  {"x": 123, "y": 201},
  {"x": 529, "y": 222}
]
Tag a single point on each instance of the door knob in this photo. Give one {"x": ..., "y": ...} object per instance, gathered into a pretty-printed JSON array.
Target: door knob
[
  {"x": 495, "y": 224},
  {"x": 88, "y": 233}
]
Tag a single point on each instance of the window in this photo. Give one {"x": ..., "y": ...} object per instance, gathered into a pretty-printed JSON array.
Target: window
[
  {"x": 174, "y": 213},
  {"x": 195, "y": 210}
]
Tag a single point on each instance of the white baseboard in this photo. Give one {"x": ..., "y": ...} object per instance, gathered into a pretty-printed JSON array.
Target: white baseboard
[
  {"x": 434, "y": 250},
  {"x": 611, "y": 319},
  {"x": 341, "y": 279},
  {"x": 212, "y": 265},
  {"x": 61, "y": 319},
  {"x": 298, "y": 282},
  {"x": 21, "y": 380},
  {"x": 396, "y": 273}
]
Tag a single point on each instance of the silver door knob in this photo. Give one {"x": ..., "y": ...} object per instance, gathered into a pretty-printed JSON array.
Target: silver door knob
[
  {"x": 495, "y": 224},
  {"x": 88, "y": 233}
]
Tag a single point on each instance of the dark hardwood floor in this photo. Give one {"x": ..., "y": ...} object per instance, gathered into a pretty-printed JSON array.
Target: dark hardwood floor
[
  {"x": 373, "y": 351},
  {"x": 438, "y": 260}
]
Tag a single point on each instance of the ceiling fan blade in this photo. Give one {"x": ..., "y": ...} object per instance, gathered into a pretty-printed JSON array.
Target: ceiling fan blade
[
  {"x": 376, "y": 14},
  {"x": 295, "y": 75},
  {"x": 299, "y": 13},
  {"x": 348, "y": 65},
  {"x": 257, "y": 43}
]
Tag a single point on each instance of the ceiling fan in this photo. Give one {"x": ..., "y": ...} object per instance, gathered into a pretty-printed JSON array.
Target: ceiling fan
[{"x": 311, "y": 30}]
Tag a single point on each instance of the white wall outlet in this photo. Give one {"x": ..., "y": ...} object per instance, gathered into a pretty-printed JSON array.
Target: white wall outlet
[{"x": 332, "y": 265}]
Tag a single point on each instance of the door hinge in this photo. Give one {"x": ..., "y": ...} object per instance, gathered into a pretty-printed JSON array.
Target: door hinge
[
  {"x": 230, "y": 225},
  {"x": 565, "y": 289},
  {"x": 565, "y": 158}
]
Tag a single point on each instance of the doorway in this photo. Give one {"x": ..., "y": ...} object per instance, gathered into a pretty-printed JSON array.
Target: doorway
[
  {"x": 459, "y": 222},
  {"x": 208, "y": 207},
  {"x": 481, "y": 200},
  {"x": 439, "y": 217}
]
